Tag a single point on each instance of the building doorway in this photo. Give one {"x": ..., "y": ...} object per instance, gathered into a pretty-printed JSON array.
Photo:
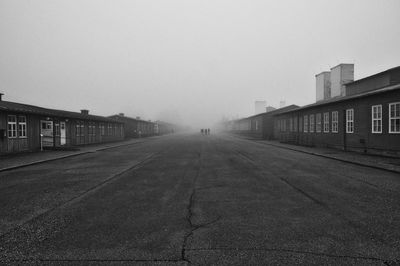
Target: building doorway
[
  {"x": 46, "y": 131},
  {"x": 63, "y": 137}
]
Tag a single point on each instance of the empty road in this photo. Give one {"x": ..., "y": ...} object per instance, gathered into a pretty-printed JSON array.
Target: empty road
[{"x": 202, "y": 200}]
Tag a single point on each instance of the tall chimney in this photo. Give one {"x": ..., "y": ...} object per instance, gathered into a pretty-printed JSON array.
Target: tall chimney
[
  {"x": 84, "y": 111},
  {"x": 340, "y": 75},
  {"x": 323, "y": 86}
]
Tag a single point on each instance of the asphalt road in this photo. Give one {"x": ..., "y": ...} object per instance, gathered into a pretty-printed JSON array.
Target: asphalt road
[{"x": 202, "y": 200}]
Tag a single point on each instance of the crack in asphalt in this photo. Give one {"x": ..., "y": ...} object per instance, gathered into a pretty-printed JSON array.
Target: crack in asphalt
[
  {"x": 189, "y": 218},
  {"x": 190, "y": 213}
]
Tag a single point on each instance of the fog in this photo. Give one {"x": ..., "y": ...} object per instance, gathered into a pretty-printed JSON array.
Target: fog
[{"x": 191, "y": 62}]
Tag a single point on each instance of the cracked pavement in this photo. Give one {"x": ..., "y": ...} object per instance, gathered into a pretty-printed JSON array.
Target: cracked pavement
[{"x": 201, "y": 200}]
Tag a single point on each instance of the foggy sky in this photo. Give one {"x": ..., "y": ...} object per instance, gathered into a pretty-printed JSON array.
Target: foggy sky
[{"x": 190, "y": 61}]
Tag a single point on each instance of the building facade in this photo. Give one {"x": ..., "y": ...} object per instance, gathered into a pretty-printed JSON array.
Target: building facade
[
  {"x": 367, "y": 119},
  {"x": 28, "y": 128}
]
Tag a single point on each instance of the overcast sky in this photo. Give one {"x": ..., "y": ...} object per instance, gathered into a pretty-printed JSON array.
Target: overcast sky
[{"x": 193, "y": 61}]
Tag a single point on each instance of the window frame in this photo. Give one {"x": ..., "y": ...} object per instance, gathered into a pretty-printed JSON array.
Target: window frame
[
  {"x": 396, "y": 118},
  {"x": 22, "y": 127},
  {"x": 312, "y": 123},
  {"x": 318, "y": 124},
  {"x": 13, "y": 129},
  {"x": 326, "y": 122},
  {"x": 335, "y": 122},
  {"x": 305, "y": 123},
  {"x": 378, "y": 119},
  {"x": 350, "y": 122}
]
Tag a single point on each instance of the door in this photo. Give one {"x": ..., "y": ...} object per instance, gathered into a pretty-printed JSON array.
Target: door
[
  {"x": 46, "y": 131},
  {"x": 63, "y": 139}
]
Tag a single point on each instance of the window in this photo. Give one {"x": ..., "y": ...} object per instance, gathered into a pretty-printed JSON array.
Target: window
[
  {"x": 80, "y": 128},
  {"x": 291, "y": 124},
  {"x": 305, "y": 123},
  {"x": 318, "y": 118},
  {"x": 12, "y": 126},
  {"x": 376, "y": 115},
  {"x": 57, "y": 129},
  {"x": 394, "y": 117},
  {"x": 77, "y": 129},
  {"x": 102, "y": 129},
  {"x": 311, "y": 123},
  {"x": 295, "y": 124},
  {"x": 22, "y": 126},
  {"x": 335, "y": 121},
  {"x": 109, "y": 129},
  {"x": 350, "y": 121},
  {"x": 256, "y": 124},
  {"x": 326, "y": 122},
  {"x": 300, "y": 124}
]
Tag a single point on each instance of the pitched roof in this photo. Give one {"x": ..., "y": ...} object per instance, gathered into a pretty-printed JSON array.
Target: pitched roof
[
  {"x": 274, "y": 112},
  {"x": 31, "y": 109},
  {"x": 347, "y": 98},
  {"x": 122, "y": 117}
]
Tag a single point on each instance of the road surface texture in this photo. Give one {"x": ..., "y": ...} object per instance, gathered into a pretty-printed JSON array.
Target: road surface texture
[{"x": 201, "y": 200}]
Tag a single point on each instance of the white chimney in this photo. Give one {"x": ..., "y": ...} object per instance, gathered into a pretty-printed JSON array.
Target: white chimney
[
  {"x": 340, "y": 75},
  {"x": 259, "y": 107},
  {"x": 323, "y": 85}
]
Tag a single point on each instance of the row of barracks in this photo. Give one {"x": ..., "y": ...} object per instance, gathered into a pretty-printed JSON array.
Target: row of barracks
[
  {"x": 136, "y": 127},
  {"x": 29, "y": 128},
  {"x": 361, "y": 115}
]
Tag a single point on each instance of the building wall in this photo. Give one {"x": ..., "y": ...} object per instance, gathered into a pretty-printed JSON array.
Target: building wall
[
  {"x": 32, "y": 141},
  {"x": 368, "y": 84},
  {"x": 361, "y": 140}
]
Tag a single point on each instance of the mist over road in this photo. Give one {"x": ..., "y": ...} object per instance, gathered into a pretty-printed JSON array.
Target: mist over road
[{"x": 194, "y": 199}]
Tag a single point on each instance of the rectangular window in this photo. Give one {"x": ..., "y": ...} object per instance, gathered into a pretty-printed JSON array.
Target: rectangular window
[
  {"x": 256, "y": 124},
  {"x": 102, "y": 129},
  {"x": 318, "y": 118},
  {"x": 311, "y": 123},
  {"x": 394, "y": 117},
  {"x": 57, "y": 129},
  {"x": 12, "y": 126},
  {"x": 350, "y": 121},
  {"x": 295, "y": 124},
  {"x": 22, "y": 126},
  {"x": 305, "y": 123},
  {"x": 291, "y": 124},
  {"x": 300, "y": 124},
  {"x": 326, "y": 122},
  {"x": 109, "y": 129},
  {"x": 77, "y": 129},
  {"x": 335, "y": 121},
  {"x": 376, "y": 115}
]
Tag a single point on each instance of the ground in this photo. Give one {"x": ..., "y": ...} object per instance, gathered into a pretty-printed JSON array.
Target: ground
[{"x": 202, "y": 200}]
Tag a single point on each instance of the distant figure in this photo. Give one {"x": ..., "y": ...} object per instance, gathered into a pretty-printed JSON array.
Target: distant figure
[
  {"x": 202, "y": 132},
  {"x": 208, "y": 131}
]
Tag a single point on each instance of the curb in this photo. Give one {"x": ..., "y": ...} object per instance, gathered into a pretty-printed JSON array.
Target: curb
[
  {"x": 338, "y": 159},
  {"x": 324, "y": 156},
  {"x": 42, "y": 161},
  {"x": 64, "y": 156}
]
